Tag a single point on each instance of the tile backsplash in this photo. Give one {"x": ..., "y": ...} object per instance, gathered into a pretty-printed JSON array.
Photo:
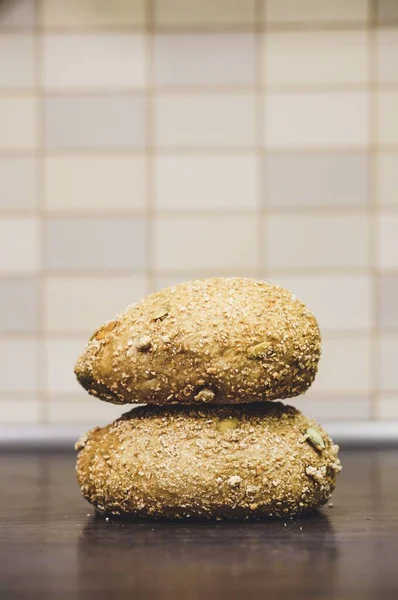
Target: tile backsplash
[{"x": 146, "y": 142}]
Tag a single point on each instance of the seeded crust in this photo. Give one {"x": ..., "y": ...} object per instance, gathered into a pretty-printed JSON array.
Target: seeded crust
[
  {"x": 247, "y": 461},
  {"x": 216, "y": 341}
]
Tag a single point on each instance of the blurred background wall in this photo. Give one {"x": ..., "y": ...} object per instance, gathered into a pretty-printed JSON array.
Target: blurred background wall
[{"x": 147, "y": 142}]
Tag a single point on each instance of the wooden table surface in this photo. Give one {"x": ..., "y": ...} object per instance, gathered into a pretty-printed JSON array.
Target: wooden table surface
[{"x": 53, "y": 546}]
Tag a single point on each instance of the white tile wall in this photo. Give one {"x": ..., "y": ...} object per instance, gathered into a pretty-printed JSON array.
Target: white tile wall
[
  {"x": 20, "y": 299},
  {"x": 338, "y": 120},
  {"x": 19, "y": 183},
  {"x": 95, "y": 183},
  {"x": 387, "y": 118},
  {"x": 61, "y": 357},
  {"x": 188, "y": 120},
  {"x": 185, "y": 243},
  {"x": 317, "y": 241},
  {"x": 387, "y": 230},
  {"x": 87, "y": 61},
  {"x": 20, "y": 71},
  {"x": 388, "y": 408},
  {"x": 21, "y": 14},
  {"x": 77, "y": 304},
  {"x": 17, "y": 356},
  {"x": 19, "y": 245},
  {"x": 387, "y": 178},
  {"x": 334, "y": 374},
  {"x": 145, "y": 143},
  {"x": 19, "y": 128},
  {"x": 172, "y": 13},
  {"x": 290, "y": 58},
  {"x": 297, "y": 179},
  {"x": 95, "y": 244},
  {"x": 342, "y": 303},
  {"x": 316, "y": 11},
  {"x": 387, "y": 67},
  {"x": 334, "y": 407},
  {"x": 107, "y": 122},
  {"x": 23, "y": 409},
  {"x": 205, "y": 59},
  {"x": 75, "y": 408},
  {"x": 93, "y": 13},
  {"x": 222, "y": 182},
  {"x": 388, "y": 352}
]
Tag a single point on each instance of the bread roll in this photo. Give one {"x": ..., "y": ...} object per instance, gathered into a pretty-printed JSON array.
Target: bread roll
[
  {"x": 248, "y": 461},
  {"x": 215, "y": 341}
]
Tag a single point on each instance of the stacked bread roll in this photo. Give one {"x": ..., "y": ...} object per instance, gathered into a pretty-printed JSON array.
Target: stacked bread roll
[{"x": 209, "y": 359}]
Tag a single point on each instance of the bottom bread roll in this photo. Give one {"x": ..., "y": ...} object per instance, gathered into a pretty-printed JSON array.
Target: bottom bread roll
[{"x": 247, "y": 461}]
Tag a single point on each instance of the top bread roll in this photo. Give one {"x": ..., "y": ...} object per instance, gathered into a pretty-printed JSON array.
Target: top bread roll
[{"x": 218, "y": 341}]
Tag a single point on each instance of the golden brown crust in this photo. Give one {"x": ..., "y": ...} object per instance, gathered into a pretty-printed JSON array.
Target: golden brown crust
[
  {"x": 219, "y": 341},
  {"x": 212, "y": 462}
]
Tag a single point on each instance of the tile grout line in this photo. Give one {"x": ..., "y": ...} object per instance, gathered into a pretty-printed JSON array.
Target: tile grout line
[
  {"x": 213, "y": 151},
  {"x": 373, "y": 204},
  {"x": 40, "y": 211},
  {"x": 150, "y": 149},
  {"x": 334, "y": 87},
  {"x": 166, "y": 213},
  {"x": 209, "y": 28},
  {"x": 306, "y": 271},
  {"x": 202, "y": 151},
  {"x": 260, "y": 121}
]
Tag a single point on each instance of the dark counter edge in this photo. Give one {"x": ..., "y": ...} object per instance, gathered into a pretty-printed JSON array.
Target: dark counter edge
[{"x": 346, "y": 434}]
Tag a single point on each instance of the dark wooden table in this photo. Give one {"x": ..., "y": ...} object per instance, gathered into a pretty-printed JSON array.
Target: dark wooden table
[{"x": 53, "y": 546}]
